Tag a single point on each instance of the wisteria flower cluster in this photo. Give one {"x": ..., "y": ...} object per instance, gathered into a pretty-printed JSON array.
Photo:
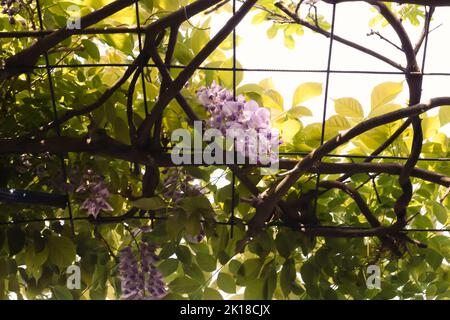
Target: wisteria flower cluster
[
  {"x": 97, "y": 190},
  {"x": 242, "y": 120},
  {"x": 178, "y": 185},
  {"x": 141, "y": 281},
  {"x": 26, "y": 163},
  {"x": 13, "y": 7}
]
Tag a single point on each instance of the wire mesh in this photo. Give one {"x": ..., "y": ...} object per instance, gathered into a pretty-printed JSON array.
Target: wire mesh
[{"x": 234, "y": 69}]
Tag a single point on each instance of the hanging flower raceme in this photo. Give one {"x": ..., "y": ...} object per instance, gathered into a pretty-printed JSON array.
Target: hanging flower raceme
[
  {"x": 97, "y": 190},
  {"x": 13, "y": 7},
  {"x": 178, "y": 185},
  {"x": 132, "y": 282},
  {"x": 244, "y": 121},
  {"x": 144, "y": 283},
  {"x": 155, "y": 287}
]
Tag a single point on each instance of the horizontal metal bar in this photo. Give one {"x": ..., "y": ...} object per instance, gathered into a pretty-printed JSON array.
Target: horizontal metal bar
[
  {"x": 89, "y": 31},
  {"x": 218, "y": 222},
  {"x": 150, "y": 65}
]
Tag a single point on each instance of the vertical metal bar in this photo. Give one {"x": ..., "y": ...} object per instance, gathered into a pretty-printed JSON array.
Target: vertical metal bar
[
  {"x": 55, "y": 115},
  {"x": 233, "y": 176},
  {"x": 325, "y": 104},
  {"x": 425, "y": 46},
  {"x": 144, "y": 90}
]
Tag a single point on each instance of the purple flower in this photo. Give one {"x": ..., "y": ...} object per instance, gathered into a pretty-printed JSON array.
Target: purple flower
[
  {"x": 239, "y": 119},
  {"x": 195, "y": 239},
  {"x": 132, "y": 282},
  {"x": 144, "y": 283},
  {"x": 177, "y": 186},
  {"x": 97, "y": 191}
]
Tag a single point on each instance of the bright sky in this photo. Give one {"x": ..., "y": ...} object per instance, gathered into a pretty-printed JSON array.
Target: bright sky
[{"x": 311, "y": 52}]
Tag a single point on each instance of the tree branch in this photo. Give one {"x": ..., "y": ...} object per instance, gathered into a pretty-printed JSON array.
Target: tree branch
[
  {"x": 269, "y": 200},
  {"x": 414, "y": 79},
  {"x": 183, "y": 77},
  {"x": 365, "y": 210},
  {"x": 349, "y": 43},
  {"x": 27, "y": 58},
  {"x": 434, "y": 3}
]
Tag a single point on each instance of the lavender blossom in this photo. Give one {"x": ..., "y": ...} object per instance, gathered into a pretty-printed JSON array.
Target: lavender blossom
[
  {"x": 144, "y": 283},
  {"x": 132, "y": 282},
  {"x": 195, "y": 239},
  {"x": 237, "y": 118},
  {"x": 155, "y": 287},
  {"x": 177, "y": 186},
  {"x": 97, "y": 191}
]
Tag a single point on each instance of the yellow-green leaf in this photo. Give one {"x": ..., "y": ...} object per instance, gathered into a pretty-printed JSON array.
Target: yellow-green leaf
[
  {"x": 384, "y": 93},
  {"x": 300, "y": 111},
  {"x": 348, "y": 107},
  {"x": 200, "y": 37},
  {"x": 273, "y": 99},
  {"x": 335, "y": 124},
  {"x": 272, "y": 31},
  {"x": 384, "y": 109},
  {"x": 61, "y": 251},
  {"x": 289, "y": 41},
  {"x": 226, "y": 283},
  {"x": 153, "y": 203},
  {"x": 288, "y": 129},
  {"x": 306, "y": 91},
  {"x": 444, "y": 115},
  {"x": 259, "y": 17}
]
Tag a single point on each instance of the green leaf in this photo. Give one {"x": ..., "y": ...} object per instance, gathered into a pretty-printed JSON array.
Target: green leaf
[
  {"x": 153, "y": 203},
  {"x": 273, "y": 99},
  {"x": 250, "y": 87},
  {"x": 440, "y": 212},
  {"x": 212, "y": 294},
  {"x": 287, "y": 276},
  {"x": 183, "y": 254},
  {"x": 283, "y": 245},
  {"x": 200, "y": 37},
  {"x": 61, "y": 293},
  {"x": 226, "y": 77},
  {"x": 348, "y": 107},
  {"x": 259, "y": 17},
  {"x": 444, "y": 115},
  {"x": 35, "y": 260},
  {"x": 308, "y": 273},
  {"x": 91, "y": 49},
  {"x": 289, "y": 129},
  {"x": 182, "y": 53},
  {"x": 184, "y": 285},
  {"x": 335, "y": 124},
  {"x": 384, "y": 109},
  {"x": 433, "y": 258},
  {"x": 289, "y": 41},
  {"x": 16, "y": 240},
  {"x": 226, "y": 283},
  {"x": 272, "y": 31},
  {"x": 250, "y": 268},
  {"x": 300, "y": 111},
  {"x": 206, "y": 261},
  {"x": 384, "y": 93},
  {"x": 254, "y": 289},
  {"x": 168, "y": 266},
  {"x": 61, "y": 251},
  {"x": 305, "y": 92}
]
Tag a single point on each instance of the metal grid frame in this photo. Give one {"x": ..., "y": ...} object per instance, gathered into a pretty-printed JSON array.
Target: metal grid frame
[{"x": 234, "y": 69}]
